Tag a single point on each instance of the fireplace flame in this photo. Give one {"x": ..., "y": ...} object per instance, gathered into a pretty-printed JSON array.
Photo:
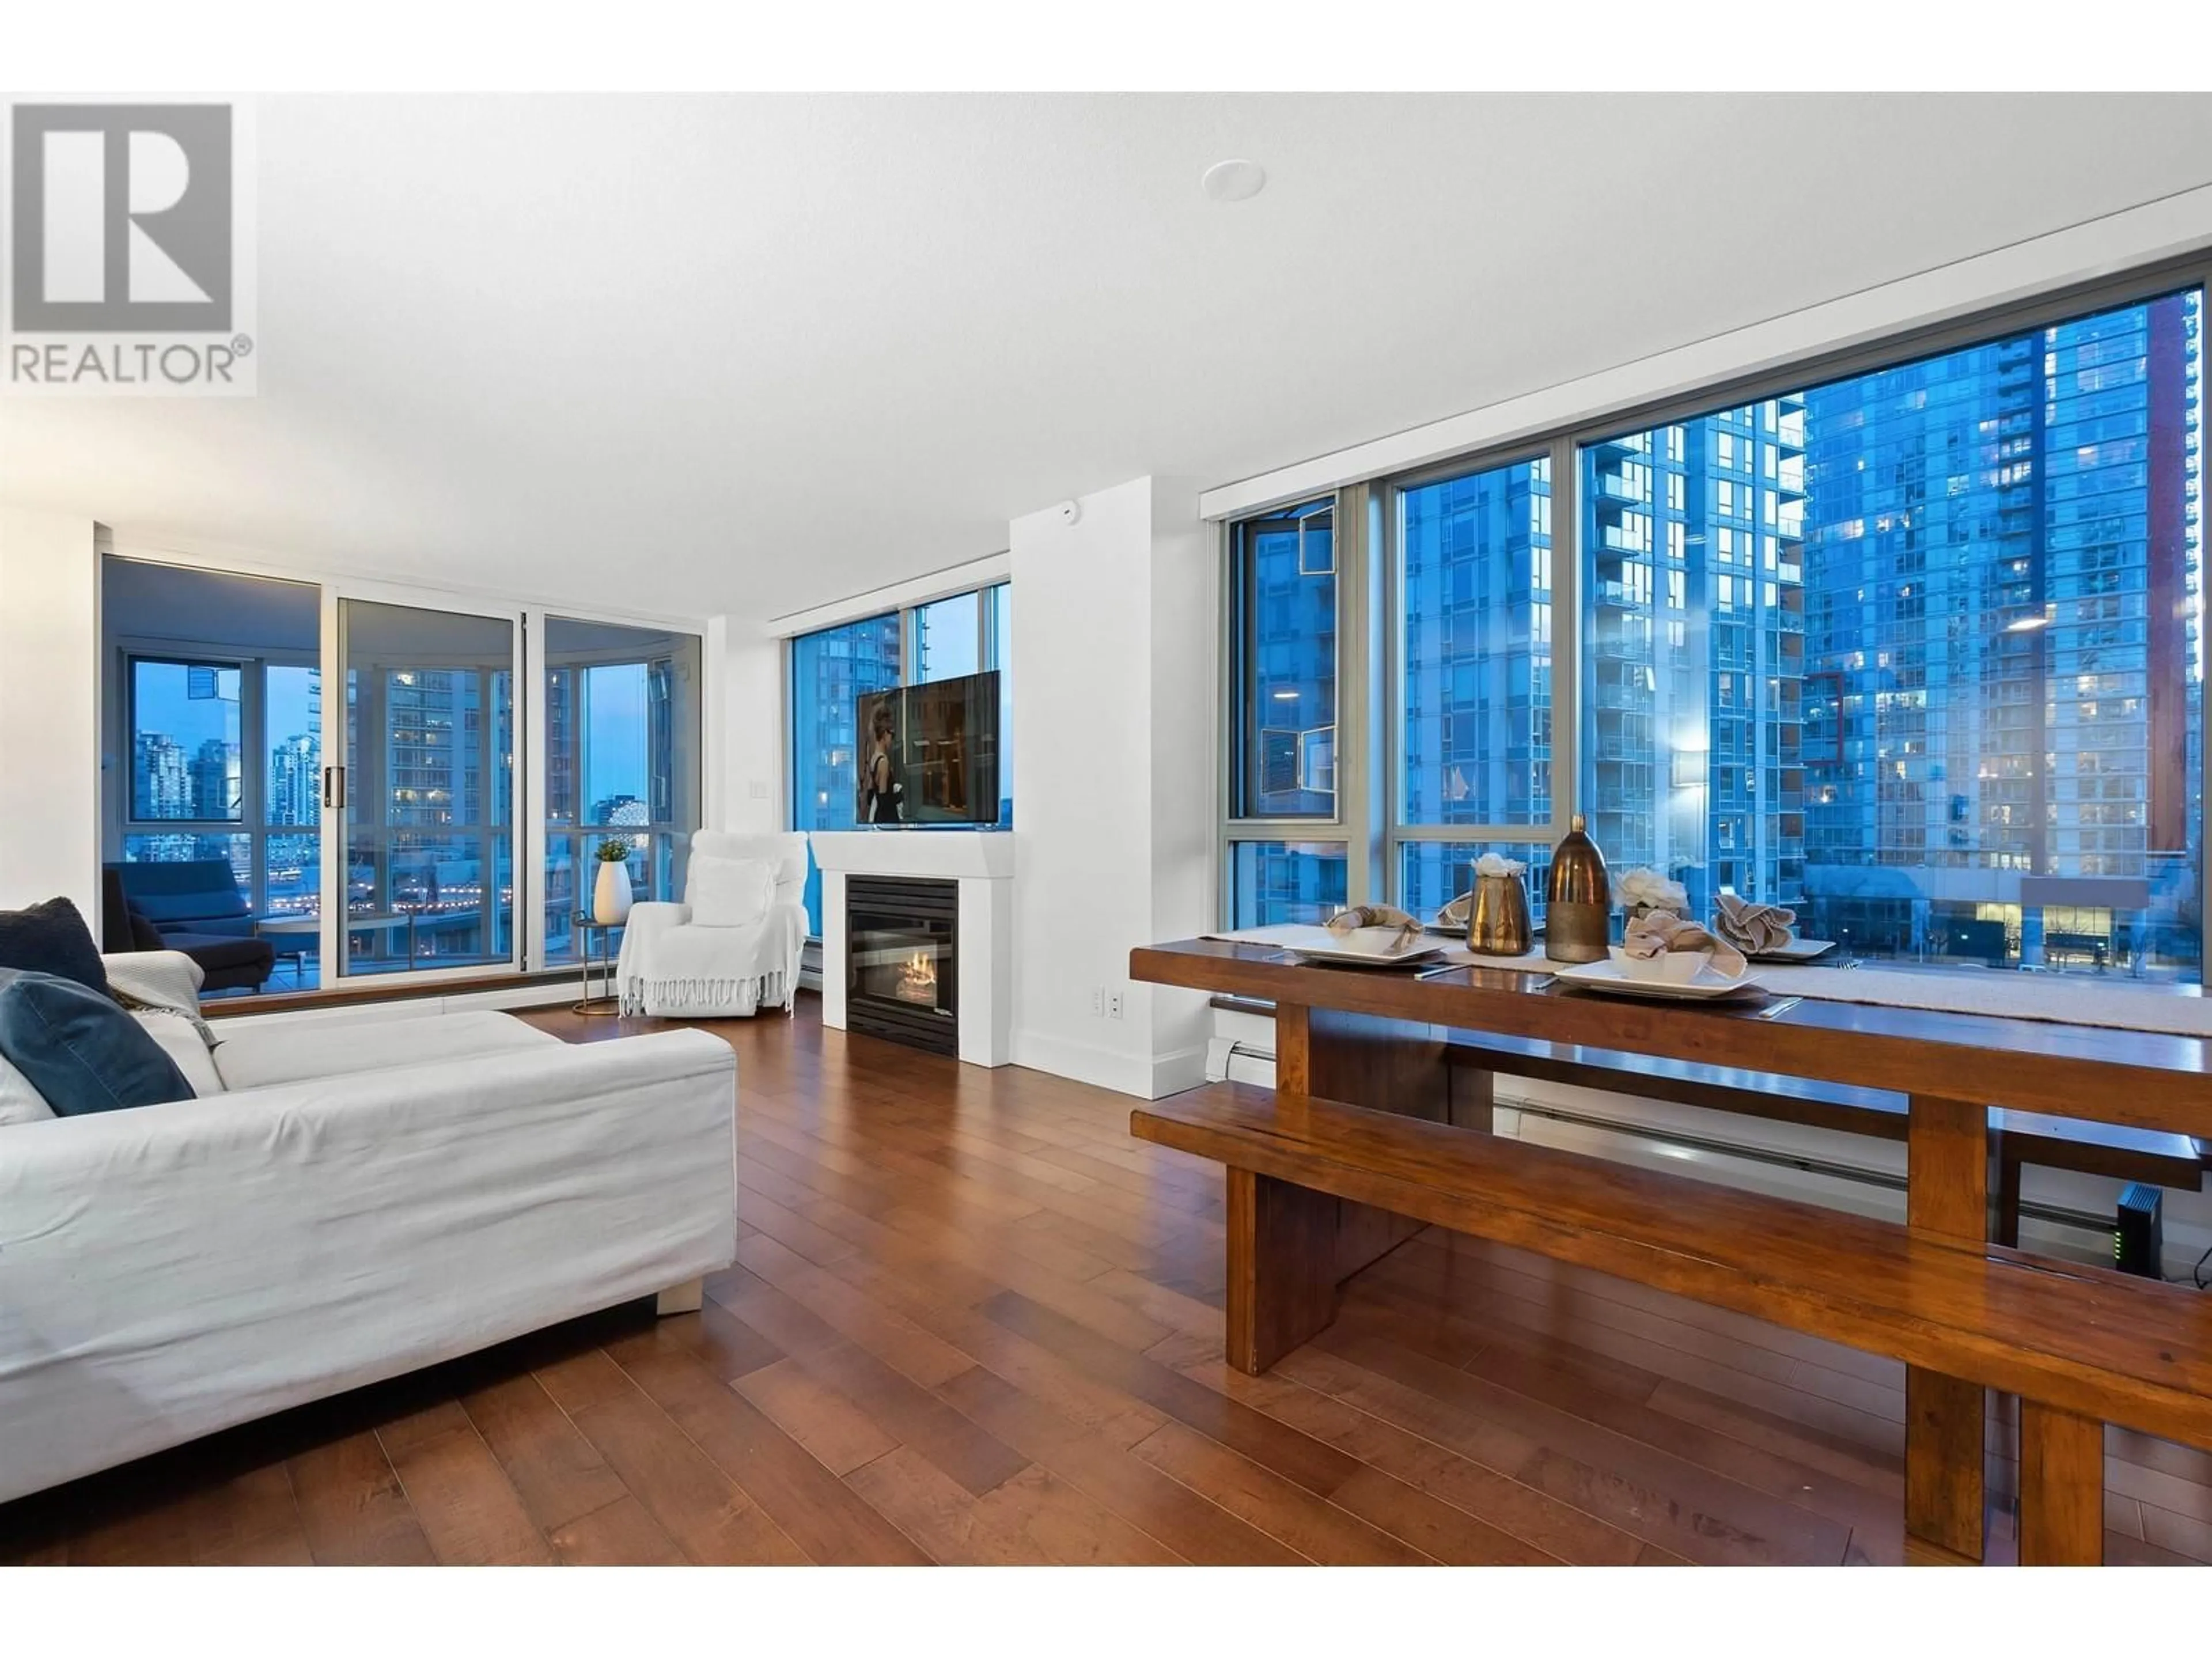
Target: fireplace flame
[{"x": 918, "y": 979}]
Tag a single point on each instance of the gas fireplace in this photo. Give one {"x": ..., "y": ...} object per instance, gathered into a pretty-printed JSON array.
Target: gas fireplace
[{"x": 901, "y": 961}]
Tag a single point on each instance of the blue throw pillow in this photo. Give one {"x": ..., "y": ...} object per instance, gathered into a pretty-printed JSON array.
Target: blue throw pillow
[
  {"x": 52, "y": 939},
  {"x": 79, "y": 1049}
]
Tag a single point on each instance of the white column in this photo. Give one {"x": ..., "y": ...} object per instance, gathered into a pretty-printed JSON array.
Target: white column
[
  {"x": 833, "y": 949},
  {"x": 987, "y": 970}
]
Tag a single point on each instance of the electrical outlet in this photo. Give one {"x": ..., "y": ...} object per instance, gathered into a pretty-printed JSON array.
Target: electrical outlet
[
  {"x": 1097, "y": 1001},
  {"x": 1113, "y": 1005},
  {"x": 759, "y": 791}
]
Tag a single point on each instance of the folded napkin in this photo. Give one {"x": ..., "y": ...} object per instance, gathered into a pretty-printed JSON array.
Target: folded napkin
[
  {"x": 1376, "y": 915},
  {"x": 1660, "y": 932},
  {"x": 1754, "y": 927}
]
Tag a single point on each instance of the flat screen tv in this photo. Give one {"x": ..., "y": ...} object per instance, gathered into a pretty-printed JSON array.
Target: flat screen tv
[{"x": 929, "y": 754}]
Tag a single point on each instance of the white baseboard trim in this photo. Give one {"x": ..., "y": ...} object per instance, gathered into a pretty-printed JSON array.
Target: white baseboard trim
[
  {"x": 1184, "y": 1069},
  {"x": 1128, "y": 1074},
  {"x": 1103, "y": 1068}
]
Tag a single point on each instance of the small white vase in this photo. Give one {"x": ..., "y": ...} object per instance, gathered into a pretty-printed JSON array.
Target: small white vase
[{"x": 610, "y": 894}]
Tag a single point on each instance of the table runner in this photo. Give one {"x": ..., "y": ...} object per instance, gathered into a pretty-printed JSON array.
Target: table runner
[{"x": 2107, "y": 999}]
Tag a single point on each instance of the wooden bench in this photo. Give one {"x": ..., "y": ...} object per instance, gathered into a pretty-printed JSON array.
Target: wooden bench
[
  {"x": 2022, "y": 1138},
  {"x": 2079, "y": 1345}
]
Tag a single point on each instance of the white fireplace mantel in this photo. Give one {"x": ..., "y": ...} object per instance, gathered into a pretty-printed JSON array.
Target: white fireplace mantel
[{"x": 983, "y": 863}]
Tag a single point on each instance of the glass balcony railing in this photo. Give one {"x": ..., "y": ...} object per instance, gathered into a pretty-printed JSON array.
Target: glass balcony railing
[
  {"x": 1619, "y": 595},
  {"x": 1633, "y": 697}
]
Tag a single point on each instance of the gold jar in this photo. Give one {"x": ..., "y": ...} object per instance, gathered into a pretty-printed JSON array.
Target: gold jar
[
  {"x": 1497, "y": 919},
  {"x": 1578, "y": 900}
]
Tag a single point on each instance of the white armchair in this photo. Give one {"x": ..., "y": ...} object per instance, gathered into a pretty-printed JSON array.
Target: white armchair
[{"x": 679, "y": 968}]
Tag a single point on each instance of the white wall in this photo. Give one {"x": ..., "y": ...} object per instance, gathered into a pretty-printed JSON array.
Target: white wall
[
  {"x": 744, "y": 720},
  {"x": 1112, "y": 740},
  {"x": 751, "y": 719},
  {"x": 1185, "y": 740},
  {"x": 49, "y": 710}
]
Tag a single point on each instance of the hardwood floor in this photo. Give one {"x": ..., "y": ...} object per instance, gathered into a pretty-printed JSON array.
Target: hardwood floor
[{"x": 973, "y": 1320}]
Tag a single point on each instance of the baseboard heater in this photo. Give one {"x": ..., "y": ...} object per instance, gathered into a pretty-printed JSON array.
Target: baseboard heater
[{"x": 1226, "y": 1052}]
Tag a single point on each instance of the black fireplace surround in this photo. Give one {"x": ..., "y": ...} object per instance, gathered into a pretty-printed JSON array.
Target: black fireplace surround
[{"x": 902, "y": 960}]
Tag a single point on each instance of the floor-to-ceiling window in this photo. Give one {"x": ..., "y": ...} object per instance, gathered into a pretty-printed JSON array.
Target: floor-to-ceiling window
[
  {"x": 830, "y": 671},
  {"x": 1473, "y": 656},
  {"x": 1914, "y": 646},
  {"x": 833, "y": 668},
  {"x": 1284, "y": 865},
  {"x": 622, "y": 763}
]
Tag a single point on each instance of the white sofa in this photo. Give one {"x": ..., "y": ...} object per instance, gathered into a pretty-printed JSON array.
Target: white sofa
[
  {"x": 674, "y": 966},
  {"x": 349, "y": 1199}
]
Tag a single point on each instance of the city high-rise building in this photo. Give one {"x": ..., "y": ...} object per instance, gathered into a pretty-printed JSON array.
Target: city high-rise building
[
  {"x": 161, "y": 783},
  {"x": 1694, "y": 651},
  {"x": 295, "y": 781},
  {"x": 215, "y": 779},
  {"x": 1286, "y": 652},
  {"x": 2003, "y": 558},
  {"x": 1474, "y": 706}
]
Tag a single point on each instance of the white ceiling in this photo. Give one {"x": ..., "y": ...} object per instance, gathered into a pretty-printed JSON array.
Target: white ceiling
[{"x": 758, "y": 353}]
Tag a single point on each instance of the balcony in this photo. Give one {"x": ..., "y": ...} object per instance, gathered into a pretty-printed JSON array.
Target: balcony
[
  {"x": 1617, "y": 596},
  {"x": 1613, "y": 487},
  {"x": 1634, "y": 698}
]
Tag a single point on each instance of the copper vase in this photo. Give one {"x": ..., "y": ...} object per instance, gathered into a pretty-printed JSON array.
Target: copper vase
[
  {"x": 1578, "y": 900},
  {"x": 1498, "y": 920}
]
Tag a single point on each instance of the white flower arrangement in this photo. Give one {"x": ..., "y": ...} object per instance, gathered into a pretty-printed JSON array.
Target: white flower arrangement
[
  {"x": 1646, "y": 888},
  {"x": 1493, "y": 864}
]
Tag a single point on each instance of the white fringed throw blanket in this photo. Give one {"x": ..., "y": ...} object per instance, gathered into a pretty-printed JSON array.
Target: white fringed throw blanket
[{"x": 705, "y": 998}]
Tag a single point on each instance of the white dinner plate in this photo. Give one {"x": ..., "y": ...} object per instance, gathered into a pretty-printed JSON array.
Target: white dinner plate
[
  {"x": 1707, "y": 986},
  {"x": 1798, "y": 949},
  {"x": 1416, "y": 952}
]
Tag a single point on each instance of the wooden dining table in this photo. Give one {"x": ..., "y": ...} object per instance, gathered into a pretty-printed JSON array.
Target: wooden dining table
[{"x": 1378, "y": 1039}]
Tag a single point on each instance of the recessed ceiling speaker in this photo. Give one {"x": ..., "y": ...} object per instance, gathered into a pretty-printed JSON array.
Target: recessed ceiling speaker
[{"x": 1237, "y": 180}]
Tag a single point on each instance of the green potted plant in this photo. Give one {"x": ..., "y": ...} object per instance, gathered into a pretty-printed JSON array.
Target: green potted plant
[{"x": 610, "y": 896}]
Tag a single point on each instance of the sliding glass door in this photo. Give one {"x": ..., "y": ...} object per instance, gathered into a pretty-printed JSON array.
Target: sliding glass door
[
  {"x": 379, "y": 781},
  {"x": 421, "y": 798}
]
